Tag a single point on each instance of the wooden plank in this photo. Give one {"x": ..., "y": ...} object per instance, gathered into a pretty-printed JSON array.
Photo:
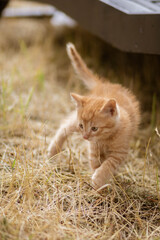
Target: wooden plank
[
  {"x": 150, "y": 5},
  {"x": 34, "y": 11},
  {"x": 129, "y": 7},
  {"x": 138, "y": 33}
]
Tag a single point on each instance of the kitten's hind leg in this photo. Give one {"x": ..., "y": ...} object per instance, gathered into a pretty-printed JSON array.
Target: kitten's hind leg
[{"x": 66, "y": 129}]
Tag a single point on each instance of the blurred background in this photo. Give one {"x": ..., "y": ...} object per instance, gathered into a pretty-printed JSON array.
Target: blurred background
[{"x": 26, "y": 25}]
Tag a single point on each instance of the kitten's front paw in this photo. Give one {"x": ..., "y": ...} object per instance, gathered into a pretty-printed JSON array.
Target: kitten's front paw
[
  {"x": 98, "y": 180},
  {"x": 52, "y": 150}
]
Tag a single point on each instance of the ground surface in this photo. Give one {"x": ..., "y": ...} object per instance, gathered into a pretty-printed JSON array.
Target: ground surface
[{"x": 42, "y": 198}]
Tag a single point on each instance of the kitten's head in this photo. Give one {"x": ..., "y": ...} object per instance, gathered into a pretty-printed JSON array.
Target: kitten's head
[{"x": 97, "y": 117}]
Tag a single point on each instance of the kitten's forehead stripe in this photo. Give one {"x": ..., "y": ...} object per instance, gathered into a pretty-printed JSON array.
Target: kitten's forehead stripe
[
  {"x": 91, "y": 108},
  {"x": 87, "y": 116}
]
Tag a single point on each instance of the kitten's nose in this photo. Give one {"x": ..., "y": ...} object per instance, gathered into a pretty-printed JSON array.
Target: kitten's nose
[{"x": 86, "y": 136}]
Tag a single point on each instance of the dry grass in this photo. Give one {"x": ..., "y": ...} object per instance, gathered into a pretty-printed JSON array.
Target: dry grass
[{"x": 43, "y": 198}]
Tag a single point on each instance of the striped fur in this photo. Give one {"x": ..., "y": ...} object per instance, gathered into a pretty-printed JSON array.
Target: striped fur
[{"x": 108, "y": 118}]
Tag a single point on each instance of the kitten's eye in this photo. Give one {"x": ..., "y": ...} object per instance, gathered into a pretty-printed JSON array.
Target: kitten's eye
[
  {"x": 94, "y": 129},
  {"x": 81, "y": 125}
]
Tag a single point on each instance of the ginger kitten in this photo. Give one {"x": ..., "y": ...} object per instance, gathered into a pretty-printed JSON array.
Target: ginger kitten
[{"x": 108, "y": 118}]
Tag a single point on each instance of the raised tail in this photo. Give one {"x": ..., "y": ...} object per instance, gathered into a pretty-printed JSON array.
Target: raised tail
[{"x": 89, "y": 79}]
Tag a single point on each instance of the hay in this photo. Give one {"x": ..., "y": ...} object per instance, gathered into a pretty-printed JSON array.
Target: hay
[{"x": 43, "y": 198}]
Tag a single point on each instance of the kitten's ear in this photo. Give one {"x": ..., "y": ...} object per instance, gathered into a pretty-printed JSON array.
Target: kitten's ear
[
  {"x": 77, "y": 99},
  {"x": 110, "y": 107}
]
